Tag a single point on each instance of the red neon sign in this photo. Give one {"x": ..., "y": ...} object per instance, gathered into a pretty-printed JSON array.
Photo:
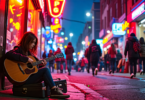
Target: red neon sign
[{"x": 56, "y": 7}]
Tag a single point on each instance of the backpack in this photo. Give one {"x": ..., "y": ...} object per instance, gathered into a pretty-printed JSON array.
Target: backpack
[{"x": 136, "y": 46}]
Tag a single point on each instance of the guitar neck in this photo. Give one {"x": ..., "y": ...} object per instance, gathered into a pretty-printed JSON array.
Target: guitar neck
[{"x": 40, "y": 61}]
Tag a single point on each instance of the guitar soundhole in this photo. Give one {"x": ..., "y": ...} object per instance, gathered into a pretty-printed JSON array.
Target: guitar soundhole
[{"x": 29, "y": 65}]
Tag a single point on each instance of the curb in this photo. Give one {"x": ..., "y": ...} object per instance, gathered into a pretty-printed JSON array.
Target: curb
[{"x": 87, "y": 91}]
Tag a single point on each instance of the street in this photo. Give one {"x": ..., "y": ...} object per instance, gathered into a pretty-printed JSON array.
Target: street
[
  {"x": 113, "y": 87},
  {"x": 83, "y": 86}
]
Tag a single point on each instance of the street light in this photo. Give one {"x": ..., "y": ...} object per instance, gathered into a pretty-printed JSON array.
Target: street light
[
  {"x": 71, "y": 34},
  {"x": 88, "y": 14}
]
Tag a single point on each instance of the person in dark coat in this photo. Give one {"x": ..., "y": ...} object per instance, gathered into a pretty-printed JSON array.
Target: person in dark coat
[
  {"x": 69, "y": 56},
  {"x": 94, "y": 54},
  {"x": 44, "y": 55},
  {"x": 118, "y": 57},
  {"x": 107, "y": 59},
  {"x": 142, "y": 56},
  {"x": 28, "y": 47},
  {"x": 51, "y": 62},
  {"x": 88, "y": 58},
  {"x": 58, "y": 60},
  {"x": 132, "y": 55}
]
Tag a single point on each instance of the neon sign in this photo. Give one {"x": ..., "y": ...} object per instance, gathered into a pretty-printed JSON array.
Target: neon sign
[
  {"x": 56, "y": 7},
  {"x": 107, "y": 37},
  {"x": 125, "y": 26},
  {"x": 117, "y": 29},
  {"x": 138, "y": 11}
]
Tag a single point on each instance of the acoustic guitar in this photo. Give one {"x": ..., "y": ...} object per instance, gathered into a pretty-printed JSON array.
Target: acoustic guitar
[{"x": 19, "y": 72}]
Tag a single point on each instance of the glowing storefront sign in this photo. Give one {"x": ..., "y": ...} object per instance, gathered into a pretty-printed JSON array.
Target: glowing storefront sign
[
  {"x": 56, "y": 7},
  {"x": 56, "y": 26},
  {"x": 108, "y": 37},
  {"x": 125, "y": 26},
  {"x": 138, "y": 11},
  {"x": 41, "y": 2},
  {"x": 117, "y": 29}
]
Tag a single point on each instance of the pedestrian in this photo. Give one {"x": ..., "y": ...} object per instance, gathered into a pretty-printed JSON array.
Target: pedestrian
[
  {"x": 94, "y": 54},
  {"x": 69, "y": 56},
  {"x": 142, "y": 56},
  {"x": 112, "y": 52},
  {"x": 58, "y": 60},
  {"x": 28, "y": 47},
  {"x": 133, "y": 53},
  {"x": 44, "y": 55},
  {"x": 107, "y": 61},
  {"x": 118, "y": 57},
  {"x": 86, "y": 63},
  {"x": 82, "y": 64},
  {"x": 51, "y": 62},
  {"x": 62, "y": 65},
  {"x": 88, "y": 58}
]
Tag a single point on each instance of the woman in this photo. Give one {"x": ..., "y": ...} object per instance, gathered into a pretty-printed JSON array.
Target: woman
[
  {"x": 58, "y": 60},
  {"x": 51, "y": 62},
  {"x": 112, "y": 52},
  {"x": 26, "y": 47},
  {"x": 142, "y": 56},
  {"x": 82, "y": 64}
]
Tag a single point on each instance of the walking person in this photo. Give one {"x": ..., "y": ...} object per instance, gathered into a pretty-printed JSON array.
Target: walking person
[
  {"x": 107, "y": 61},
  {"x": 82, "y": 64},
  {"x": 118, "y": 57},
  {"x": 88, "y": 58},
  {"x": 133, "y": 53},
  {"x": 112, "y": 52},
  {"x": 44, "y": 55},
  {"x": 142, "y": 56},
  {"x": 27, "y": 47},
  {"x": 51, "y": 62},
  {"x": 69, "y": 56},
  {"x": 58, "y": 60},
  {"x": 94, "y": 54},
  {"x": 62, "y": 65}
]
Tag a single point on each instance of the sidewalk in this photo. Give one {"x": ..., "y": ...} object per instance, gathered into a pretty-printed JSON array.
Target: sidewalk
[{"x": 126, "y": 75}]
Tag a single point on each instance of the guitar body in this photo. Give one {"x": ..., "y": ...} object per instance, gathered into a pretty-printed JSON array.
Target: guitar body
[{"x": 19, "y": 72}]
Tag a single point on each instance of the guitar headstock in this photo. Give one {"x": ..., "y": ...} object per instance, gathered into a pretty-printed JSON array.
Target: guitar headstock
[{"x": 59, "y": 55}]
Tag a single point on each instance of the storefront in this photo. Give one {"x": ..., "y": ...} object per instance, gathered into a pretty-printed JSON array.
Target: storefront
[{"x": 137, "y": 21}]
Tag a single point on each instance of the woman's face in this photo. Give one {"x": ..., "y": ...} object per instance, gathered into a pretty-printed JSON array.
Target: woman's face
[{"x": 32, "y": 44}]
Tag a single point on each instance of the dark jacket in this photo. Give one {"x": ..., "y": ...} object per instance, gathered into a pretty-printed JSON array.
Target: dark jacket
[
  {"x": 118, "y": 56},
  {"x": 50, "y": 55},
  {"x": 107, "y": 58},
  {"x": 142, "y": 49},
  {"x": 129, "y": 47},
  {"x": 56, "y": 52},
  {"x": 69, "y": 52},
  {"x": 44, "y": 55},
  {"x": 87, "y": 53},
  {"x": 94, "y": 52}
]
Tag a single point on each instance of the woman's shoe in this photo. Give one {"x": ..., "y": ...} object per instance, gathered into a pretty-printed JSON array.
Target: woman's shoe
[
  {"x": 132, "y": 75},
  {"x": 141, "y": 72},
  {"x": 57, "y": 93},
  {"x": 110, "y": 72}
]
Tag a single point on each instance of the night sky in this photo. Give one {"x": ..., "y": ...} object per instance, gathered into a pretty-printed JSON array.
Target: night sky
[{"x": 76, "y": 10}]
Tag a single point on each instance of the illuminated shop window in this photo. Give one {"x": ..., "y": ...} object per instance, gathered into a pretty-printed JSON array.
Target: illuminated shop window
[{"x": 14, "y": 23}]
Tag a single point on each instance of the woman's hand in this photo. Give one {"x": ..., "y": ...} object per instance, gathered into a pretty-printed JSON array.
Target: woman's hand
[
  {"x": 30, "y": 60},
  {"x": 44, "y": 62}
]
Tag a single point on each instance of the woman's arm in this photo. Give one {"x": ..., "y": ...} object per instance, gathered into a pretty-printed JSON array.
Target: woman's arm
[{"x": 16, "y": 55}]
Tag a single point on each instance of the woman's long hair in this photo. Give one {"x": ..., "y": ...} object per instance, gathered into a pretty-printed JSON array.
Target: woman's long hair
[
  {"x": 26, "y": 40},
  {"x": 141, "y": 40},
  {"x": 113, "y": 47}
]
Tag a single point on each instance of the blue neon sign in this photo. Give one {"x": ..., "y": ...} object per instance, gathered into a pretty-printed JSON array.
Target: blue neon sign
[{"x": 117, "y": 29}]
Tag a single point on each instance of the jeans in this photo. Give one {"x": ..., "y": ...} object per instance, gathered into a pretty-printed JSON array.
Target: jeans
[
  {"x": 82, "y": 69},
  {"x": 58, "y": 65},
  {"x": 107, "y": 66},
  {"x": 113, "y": 64},
  {"x": 142, "y": 59},
  {"x": 43, "y": 74},
  {"x": 69, "y": 65},
  {"x": 132, "y": 62},
  {"x": 51, "y": 65}
]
